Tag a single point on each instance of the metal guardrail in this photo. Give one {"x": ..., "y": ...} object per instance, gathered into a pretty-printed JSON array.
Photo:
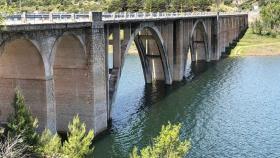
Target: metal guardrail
[{"x": 41, "y": 18}]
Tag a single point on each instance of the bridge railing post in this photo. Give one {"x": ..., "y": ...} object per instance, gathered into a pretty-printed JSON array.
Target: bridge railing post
[
  {"x": 72, "y": 19},
  {"x": 114, "y": 15},
  {"x": 89, "y": 16},
  {"x": 23, "y": 17},
  {"x": 50, "y": 17},
  {"x": 125, "y": 15}
]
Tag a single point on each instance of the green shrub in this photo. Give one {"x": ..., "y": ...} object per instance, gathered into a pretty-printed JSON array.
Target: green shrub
[
  {"x": 49, "y": 145},
  {"x": 166, "y": 145},
  {"x": 5, "y": 9},
  {"x": 21, "y": 121},
  {"x": 78, "y": 143},
  {"x": 257, "y": 27}
]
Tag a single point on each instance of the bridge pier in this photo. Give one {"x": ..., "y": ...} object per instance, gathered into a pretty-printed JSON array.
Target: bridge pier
[
  {"x": 167, "y": 30},
  {"x": 98, "y": 80},
  {"x": 154, "y": 59},
  {"x": 116, "y": 47},
  {"x": 50, "y": 93},
  {"x": 180, "y": 51}
]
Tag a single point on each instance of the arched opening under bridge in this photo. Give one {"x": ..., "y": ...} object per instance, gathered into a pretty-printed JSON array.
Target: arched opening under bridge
[
  {"x": 22, "y": 67},
  {"x": 199, "y": 47},
  {"x": 71, "y": 81},
  {"x": 147, "y": 42}
]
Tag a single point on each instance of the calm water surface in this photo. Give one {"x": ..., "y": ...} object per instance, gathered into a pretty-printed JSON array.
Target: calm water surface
[{"x": 231, "y": 110}]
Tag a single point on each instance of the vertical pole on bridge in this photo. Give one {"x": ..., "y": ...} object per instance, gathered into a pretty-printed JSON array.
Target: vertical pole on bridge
[{"x": 99, "y": 81}]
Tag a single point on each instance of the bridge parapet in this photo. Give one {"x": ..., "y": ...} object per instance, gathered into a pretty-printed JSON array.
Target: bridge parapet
[{"x": 45, "y": 18}]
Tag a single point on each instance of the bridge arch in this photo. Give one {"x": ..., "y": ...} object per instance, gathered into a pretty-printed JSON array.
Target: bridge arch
[
  {"x": 22, "y": 66},
  {"x": 71, "y": 80},
  {"x": 198, "y": 46},
  {"x": 199, "y": 42},
  {"x": 157, "y": 37}
]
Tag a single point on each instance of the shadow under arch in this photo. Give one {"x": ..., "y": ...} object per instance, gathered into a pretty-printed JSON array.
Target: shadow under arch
[
  {"x": 58, "y": 40},
  {"x": 71, "y": 80},
  {"x": 135, "y": 37},
  {"x": 199, "y": 47},
  {"x": 162, "y": 51},
  {"x": 22, "y": 66}
]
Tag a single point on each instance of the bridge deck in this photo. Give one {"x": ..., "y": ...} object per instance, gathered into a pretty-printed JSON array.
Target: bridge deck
[{"x": 54, "y": 18}]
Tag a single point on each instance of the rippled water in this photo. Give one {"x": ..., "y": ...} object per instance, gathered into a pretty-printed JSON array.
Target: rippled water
[{"x": 231, "y": 110}]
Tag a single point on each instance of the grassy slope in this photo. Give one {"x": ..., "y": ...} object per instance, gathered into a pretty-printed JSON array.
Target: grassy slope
[{"x": 252, "y": 44}]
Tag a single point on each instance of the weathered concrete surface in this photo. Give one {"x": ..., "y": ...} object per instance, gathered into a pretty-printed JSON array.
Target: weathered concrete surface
[
  {"x": 18, "y": 71},
  {"x": 62, "y": 69},
  {"x": 71, "y": 80}
]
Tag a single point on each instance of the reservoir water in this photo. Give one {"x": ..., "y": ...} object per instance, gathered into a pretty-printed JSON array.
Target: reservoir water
[{"x": 230, "y": 110}]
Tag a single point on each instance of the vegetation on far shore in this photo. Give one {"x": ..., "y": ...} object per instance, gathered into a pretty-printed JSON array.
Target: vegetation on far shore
[
  {"x": 254, "y": 44},
  {"x": 263, "y": 37},
  {"x": 115, "y": 5},
  {"x": 269, "y": 21}
]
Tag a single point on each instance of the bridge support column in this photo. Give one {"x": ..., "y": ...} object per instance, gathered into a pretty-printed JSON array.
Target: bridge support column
[
  {"x": 230, "y": 30},
  {"x": 235, "y": 29},
  {"x": 126, "y": 37},
  {"x": 98, "y": 74},
  {"x": 223, "y": 29},
  {"x": 214, "y": 39},
  {"x": 209, "y": 40},
  {"x": 155, "y": 62},
  {"x": 167, "y": 31},
  {"x": 45, "y": 45},
  {"x": 51, "y": 108},
  {"x": 116, "y": 46},
  {"x": 227, "y": 32},
  {"x": 106, "y": 37},
  {"x": 180, "y": 53}
]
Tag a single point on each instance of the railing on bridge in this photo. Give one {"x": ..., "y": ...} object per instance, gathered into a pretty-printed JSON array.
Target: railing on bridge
[{"x": 40, "y": 18}]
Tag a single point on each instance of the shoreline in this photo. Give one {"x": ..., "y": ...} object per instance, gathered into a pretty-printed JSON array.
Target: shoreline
[{"x": 256, "y": 45}]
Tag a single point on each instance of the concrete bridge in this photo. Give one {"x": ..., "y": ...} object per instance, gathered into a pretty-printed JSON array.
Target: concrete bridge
[{"x": 60, "y": 62}]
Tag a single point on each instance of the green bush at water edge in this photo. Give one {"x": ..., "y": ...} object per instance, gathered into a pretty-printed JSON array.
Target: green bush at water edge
[{"x": 166, "y": 145}]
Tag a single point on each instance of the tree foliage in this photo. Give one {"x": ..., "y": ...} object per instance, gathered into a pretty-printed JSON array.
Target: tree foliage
[
  {"x": 49, "y": 145},
  {"x": 77, "y": 145},
  {"x": 21, "y": 122},
  {"x": 269, "y": 24},
  {"x": 166, "y": 145},
  {"x": 108, "y": 5},
  {"x": 79, "y": 141},
  {"x": 23, "y": 138},
  {"x": 5, "y": 10}
]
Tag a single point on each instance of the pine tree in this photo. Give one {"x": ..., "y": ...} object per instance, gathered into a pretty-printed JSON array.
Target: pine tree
[
  {"x": 166, "y": 145},
  {"x": 78, "y": 143},
  {"x": 21, "y": 121},
  {"x": 49, "y": 145}
]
